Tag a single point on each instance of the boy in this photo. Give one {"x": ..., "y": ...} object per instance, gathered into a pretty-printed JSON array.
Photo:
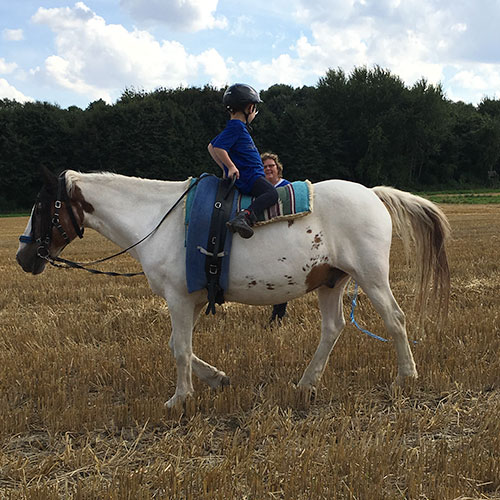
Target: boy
[{"x": 235, "y": 153}]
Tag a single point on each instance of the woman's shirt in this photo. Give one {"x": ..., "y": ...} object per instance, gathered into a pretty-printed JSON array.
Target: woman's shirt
[{"x": 281, "y": 183}]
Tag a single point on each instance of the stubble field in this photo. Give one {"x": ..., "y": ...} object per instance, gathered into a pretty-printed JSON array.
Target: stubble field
[{"x": 85, "y": 370}]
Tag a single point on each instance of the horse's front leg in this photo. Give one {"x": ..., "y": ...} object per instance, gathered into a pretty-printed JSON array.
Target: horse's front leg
[
  {"x": 182, "y": 317},
  {"x": 205, "y": 372},
  {"x": 209, "y": 374}
]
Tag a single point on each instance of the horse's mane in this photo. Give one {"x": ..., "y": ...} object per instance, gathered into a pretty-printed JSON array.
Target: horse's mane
[{"x": 73, "y": 178}]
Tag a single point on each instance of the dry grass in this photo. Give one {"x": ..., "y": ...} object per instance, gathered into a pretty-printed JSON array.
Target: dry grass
[{"x": 85, "y": 370}]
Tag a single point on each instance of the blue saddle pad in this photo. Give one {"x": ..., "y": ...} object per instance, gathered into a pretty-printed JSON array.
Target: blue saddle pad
[{"x": 199, "y": 206}]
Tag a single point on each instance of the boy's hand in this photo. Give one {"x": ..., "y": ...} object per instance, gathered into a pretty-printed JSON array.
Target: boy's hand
[{"x": 233, "y": 171}]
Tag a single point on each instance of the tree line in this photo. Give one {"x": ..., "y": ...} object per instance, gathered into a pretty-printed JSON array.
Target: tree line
[{"x": 366, "y": 126}]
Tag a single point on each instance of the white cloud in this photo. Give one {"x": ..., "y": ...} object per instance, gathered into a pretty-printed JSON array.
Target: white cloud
[
  {"x": 7, "y": 91},
  {"x": 414, "y": 39},
  {"x": 13, "y": 35},
  {"x": 243, "y": 26},
  {"x": 479, "y": 80},
  {"x": 184, "y": 15},
  {"x": 445, "y": 41},
  {"x": 215, "y": 67},
  {"x": 100, "y": 60},
  {"x": 282, "y": 69},
  {"x": 409, "y": 57},
  {"x": 6, "y": 67},
  {"x": 460, "y": 27}
]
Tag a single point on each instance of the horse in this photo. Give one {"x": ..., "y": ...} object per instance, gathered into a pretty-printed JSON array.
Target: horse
[{"x": 347, "y": 236}]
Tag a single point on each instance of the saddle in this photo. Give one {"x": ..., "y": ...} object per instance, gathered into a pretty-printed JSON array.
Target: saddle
[{"x": 208, "y": 243}]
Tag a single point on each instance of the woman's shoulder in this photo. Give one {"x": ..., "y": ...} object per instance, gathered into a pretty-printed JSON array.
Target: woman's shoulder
[{"x": 282, "y": 182}]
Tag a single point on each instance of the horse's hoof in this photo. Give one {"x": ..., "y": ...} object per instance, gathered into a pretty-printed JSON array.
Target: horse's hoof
[
  {"x": 219, "y": 381},
  {"x": 176, "y": 401},
  {"x": 222, "y": 382},
  {"x": 225, "y": 381},
  {"x": 310, "y": 395},
  {"x": 403, "y": 386},
  {"x": 307, "y": 392},
  {"x": 406, "y": 380},
  {"x": 173, "y": 402}
]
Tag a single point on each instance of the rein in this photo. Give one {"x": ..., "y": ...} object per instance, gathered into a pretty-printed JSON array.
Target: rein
[{"x": 68, "y": 264}]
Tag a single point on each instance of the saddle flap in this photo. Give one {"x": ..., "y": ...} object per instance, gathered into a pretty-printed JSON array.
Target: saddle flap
[{"x": 201, "y": 231}]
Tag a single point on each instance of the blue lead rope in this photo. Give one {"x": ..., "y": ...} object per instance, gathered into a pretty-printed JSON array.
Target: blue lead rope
[{"x": 354, "y": 322}]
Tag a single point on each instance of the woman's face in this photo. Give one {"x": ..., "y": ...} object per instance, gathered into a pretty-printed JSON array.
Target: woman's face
[{"x": 271, "y": 170}]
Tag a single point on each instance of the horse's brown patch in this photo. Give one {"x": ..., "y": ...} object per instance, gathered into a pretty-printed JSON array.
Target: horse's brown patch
[
  {"x": 323, "y": 275},
  {"x": 58, "y": 241},
  {"x": 317, "y": 241},
  {"x": 270, "y": 286},
  {"x": 252, "y": 283},
  {"x": 290, "y": 222},
  {"x": 78, "y": 197}
]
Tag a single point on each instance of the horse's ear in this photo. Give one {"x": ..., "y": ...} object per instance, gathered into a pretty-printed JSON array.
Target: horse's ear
[{"x": 49, "y": 180}]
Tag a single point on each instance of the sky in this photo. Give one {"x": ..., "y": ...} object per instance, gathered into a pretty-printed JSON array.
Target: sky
[{"x": 72, "y": 54}]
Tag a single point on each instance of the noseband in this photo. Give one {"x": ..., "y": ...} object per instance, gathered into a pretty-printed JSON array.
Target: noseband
[{"x": 44, "y": 239}]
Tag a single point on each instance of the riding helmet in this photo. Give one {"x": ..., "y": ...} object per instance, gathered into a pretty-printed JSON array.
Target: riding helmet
[{"x": 237, "y": 96}]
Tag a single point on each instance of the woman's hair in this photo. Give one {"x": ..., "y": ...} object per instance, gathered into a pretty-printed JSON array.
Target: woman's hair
[{"x": 274, "y": 157}]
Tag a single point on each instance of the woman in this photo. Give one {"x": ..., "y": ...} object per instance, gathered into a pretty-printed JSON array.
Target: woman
[
  {"x": 273, "y": 169},
  {"x": 274, "y": 174}
]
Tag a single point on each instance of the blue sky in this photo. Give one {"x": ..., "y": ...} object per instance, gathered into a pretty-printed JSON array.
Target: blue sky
[{"x": 74, "y": 53}]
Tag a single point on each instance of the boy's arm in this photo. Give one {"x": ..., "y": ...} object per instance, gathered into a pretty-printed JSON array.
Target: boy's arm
[
  {"x": 214, "y": 157},
  {"x": 222, "y": 159}
]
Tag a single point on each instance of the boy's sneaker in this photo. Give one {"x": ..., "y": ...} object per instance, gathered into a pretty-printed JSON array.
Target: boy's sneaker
[{"x": 241, "y": 224}]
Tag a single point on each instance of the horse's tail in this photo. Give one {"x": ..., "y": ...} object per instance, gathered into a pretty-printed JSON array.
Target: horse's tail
[{"x": 421, "y": 221}]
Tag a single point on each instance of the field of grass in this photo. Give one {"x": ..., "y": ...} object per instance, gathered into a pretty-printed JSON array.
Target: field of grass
[
  {"x": 465, "y": 198},
  {"x": 85, "y": 370},
  {"x": 482, "y": 196}
]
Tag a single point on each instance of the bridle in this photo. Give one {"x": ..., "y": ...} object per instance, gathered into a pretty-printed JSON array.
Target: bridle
[
  {"x": 43, "y": 223},
  {"x": 42, "y": 209}
]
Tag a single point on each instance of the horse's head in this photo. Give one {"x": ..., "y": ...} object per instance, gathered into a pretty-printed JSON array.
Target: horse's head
[{"x": 55, "y": 221}]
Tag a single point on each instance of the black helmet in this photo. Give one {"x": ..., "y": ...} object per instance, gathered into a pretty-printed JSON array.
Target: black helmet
[{"x": 237, "y": 96}]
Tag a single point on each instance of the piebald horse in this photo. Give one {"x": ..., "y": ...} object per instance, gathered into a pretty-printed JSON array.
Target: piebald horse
[{"x": 348, "y": 235}]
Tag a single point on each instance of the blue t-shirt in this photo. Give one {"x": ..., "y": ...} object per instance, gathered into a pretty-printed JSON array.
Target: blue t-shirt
[{"x": 237, "y": 141}]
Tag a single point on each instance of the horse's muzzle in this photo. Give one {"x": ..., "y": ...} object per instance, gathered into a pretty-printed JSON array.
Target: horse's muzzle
[{"x": 29, "y": 260}]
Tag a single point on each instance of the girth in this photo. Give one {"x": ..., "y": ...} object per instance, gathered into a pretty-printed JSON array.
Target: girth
[{"x": 215, "y": 245}]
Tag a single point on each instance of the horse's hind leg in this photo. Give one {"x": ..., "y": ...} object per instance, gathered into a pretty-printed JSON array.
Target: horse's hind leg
[
  {"x": 385, "y": 304},
  {"x": 332, "y": 323}
]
